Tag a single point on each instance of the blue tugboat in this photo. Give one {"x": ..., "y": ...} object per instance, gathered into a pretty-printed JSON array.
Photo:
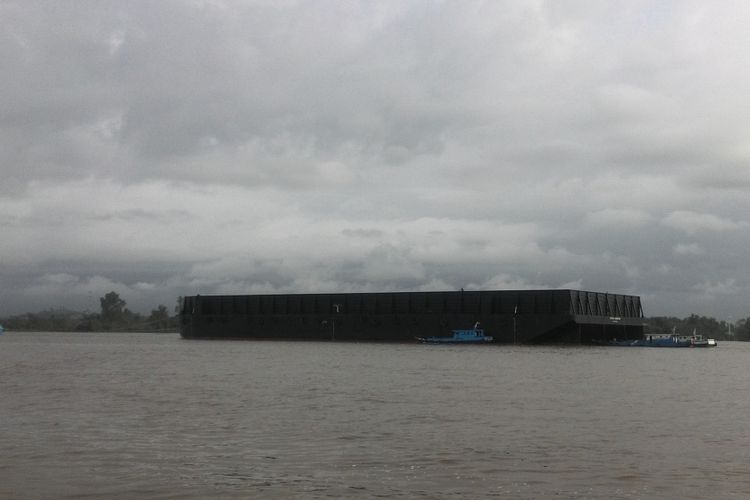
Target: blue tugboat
[{"x": 474, "y": 336}]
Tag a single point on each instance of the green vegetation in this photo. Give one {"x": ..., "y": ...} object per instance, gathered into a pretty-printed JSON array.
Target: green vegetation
[
  {"x": 114, "y": 316},
  {"x": 702, "y": 325}
]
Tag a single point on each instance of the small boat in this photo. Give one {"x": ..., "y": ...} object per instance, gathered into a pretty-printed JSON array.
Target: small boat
[
  {"x": 699, "y": 341},
  {"x": 474, "y": 336}
]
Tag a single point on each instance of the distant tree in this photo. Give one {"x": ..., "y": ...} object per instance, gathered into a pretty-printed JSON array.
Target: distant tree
[
  {"x": 742, "y": 330},
  {"x": 113, "y": 308},
  {"x": 132, "y": 320},
  {"x": 159, "y": 318},
  {"x": 48, "y": 320},
  {"x": 661, "y": 324},
  {"x": 708, "y": 327}
]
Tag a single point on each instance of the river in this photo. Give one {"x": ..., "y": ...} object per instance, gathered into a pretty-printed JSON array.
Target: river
[{"x": 115, "y": 415}]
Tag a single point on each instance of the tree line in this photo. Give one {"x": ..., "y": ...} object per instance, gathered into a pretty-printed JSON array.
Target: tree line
[
  {"x": 113, "y": 316},
  {"x": 702, "y": 325}
]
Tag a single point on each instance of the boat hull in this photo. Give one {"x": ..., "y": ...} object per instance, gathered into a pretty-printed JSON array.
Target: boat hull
[
  {"x": 474, "y": 336},
  {"x": 671, "y": 341},
  {"x": 646, "y": 343},
  {"x": 438, "y": 340},
  {"x": 704, "y": 343}
]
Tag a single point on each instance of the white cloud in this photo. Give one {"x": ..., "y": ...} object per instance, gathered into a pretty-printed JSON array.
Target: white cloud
[
  {"x": 714, "y": 289},
  {"x": 618, "y": 219},
  {"x": 688, "y": 249},
  {"x": 691, "y": 222}
]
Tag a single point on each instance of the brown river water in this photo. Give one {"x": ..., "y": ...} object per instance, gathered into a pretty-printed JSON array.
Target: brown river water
[{"x": 113, "y": 415}]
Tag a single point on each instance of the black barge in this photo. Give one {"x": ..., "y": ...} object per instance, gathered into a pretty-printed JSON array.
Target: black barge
[{"x": 510, "y": 316}]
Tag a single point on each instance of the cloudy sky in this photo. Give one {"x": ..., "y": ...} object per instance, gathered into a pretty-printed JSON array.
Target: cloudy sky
[{"x": 160, "y": 149}]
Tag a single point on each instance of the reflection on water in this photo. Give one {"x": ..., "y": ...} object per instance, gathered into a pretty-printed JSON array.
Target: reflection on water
[{"x": 146, "y": 415}]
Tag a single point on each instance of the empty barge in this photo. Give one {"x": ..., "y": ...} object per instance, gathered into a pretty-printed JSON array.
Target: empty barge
[{"x": 510, "y": 316}]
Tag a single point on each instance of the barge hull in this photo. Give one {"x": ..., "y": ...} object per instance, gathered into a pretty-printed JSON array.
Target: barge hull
[{"x": 523, "y": 316}]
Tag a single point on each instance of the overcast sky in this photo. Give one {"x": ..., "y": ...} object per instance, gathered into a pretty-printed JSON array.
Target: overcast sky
[{"x": 159, "y": 149}]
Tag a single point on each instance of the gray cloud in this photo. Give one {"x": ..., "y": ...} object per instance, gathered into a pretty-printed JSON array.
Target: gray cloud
[{"x": 169, "y": 148}]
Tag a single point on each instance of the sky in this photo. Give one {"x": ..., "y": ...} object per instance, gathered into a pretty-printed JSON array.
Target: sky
[{"x": 171, "y": 148}]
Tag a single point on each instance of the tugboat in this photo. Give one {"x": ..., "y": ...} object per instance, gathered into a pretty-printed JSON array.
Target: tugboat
[
  {"x": 699, "y": 341},
  {"x": 474, "y": 336}
]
